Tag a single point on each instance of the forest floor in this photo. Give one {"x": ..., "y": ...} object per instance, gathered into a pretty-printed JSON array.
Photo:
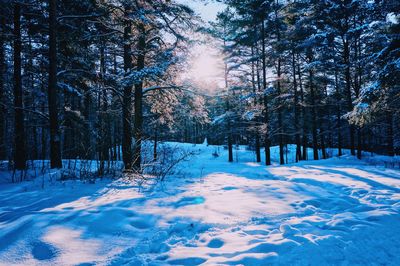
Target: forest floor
[{"x": 339, "y": 211}]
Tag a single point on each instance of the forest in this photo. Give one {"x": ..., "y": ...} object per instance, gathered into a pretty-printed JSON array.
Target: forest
[
  {"x": 81, "y": 79},
  {"x": 133, "y": 96}
]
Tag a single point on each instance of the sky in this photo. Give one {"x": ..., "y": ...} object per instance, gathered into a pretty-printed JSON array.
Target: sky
[{"x": 206, "y": 9}]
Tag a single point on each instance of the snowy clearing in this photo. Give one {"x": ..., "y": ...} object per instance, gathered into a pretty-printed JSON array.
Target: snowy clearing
[{"x": 339, "y": 211}]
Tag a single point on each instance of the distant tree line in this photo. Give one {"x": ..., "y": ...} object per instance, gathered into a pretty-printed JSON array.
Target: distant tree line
[{"x": 316, "y": 74}]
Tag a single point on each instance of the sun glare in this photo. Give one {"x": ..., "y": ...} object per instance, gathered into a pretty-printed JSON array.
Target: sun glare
[{"x": 205, "y": 67}]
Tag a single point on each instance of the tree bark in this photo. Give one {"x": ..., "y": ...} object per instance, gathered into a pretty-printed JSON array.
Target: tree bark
[
  {"x": 127, "y": 100},
  {"x": 138, "y": 125},
  {"x": 19, "y": 134},
  {"x": 280, "y": 118},
  {"x": 256, "y": 135},
  {"x": 390, "y": 142},
  {"x": 346, "y": 58},
  {"x": 304, "y": 116},
  {"x": 313, "y": 111},
  {"x": 296, "y": 109},
  {"x": 3, "y": 154},
  {"x": 338, "y": 114},
  {"x": 55, "y": 138},
  {"x": 266, "y": 115},
  {"x": 155, "y": 142}
]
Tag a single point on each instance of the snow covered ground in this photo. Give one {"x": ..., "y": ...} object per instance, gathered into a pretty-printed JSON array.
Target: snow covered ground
[{"x": 339, "y": 211}]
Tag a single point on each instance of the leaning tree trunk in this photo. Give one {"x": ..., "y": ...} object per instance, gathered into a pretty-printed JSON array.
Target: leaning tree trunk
[
  {"x": 55, "y": 138},
  {"x": 138, "y": 125},
  {"x": 19, "y": 134}
]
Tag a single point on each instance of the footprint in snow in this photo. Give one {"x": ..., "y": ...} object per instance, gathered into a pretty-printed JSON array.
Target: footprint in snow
[
  {"x": 142, "y": 224},
  {"x": 215, "y": 243},
  {"x": 43, "y": 251},
  {"x": 185, "y": 201}
]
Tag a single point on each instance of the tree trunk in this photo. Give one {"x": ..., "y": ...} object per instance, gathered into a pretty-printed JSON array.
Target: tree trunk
[
  {"x": 55, "y": 138},
  {"x": 230, "y": 145},
  {"x": 19, "y": 134},
  {"x": 127, "y": 101},
  {"x": 338, "y": 115},
  {"x": 296, "y": 110},
  {"x": 138, "y": 125},
  {"x": 155, "y": 142},
  {"x": 280, "y": 119},
  {"x": 390, "y": 142},
  {"x": 256, "y": 135},
  {"x": 359, "y": 143},
  {"x": 104, "y": 140},
  {"x": 266, "y": 115},
  {"x": 346, "y": 57},
  {"x": 313, "y": 112},
  {"x": 322, "y": 137},
  {"x": 3, "y": 116},
  {"x": 304, "y": 116},
  {"x": 228, "y": 109}
]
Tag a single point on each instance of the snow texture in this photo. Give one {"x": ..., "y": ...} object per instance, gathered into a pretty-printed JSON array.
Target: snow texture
[{"x": 339, "y": 211}]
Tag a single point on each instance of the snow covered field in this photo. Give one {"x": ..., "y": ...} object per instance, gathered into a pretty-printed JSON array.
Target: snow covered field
[{"x": 339, "y": 211}]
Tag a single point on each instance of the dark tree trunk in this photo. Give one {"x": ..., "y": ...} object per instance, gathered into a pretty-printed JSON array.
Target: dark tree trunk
[
  {"x": 138, "y": 125},
  {"x": 313, "y": 112},
  {"x": 304, "y": 116},
  {"x": 390, "y": 142},
  {"x": 104, "y": 140},
  {"x": 280, "y": 118},
  {"x": 338, "y": 115},
  {"x": 322, "y": 137},
  {"x": 127, "y": 101},
  {"x": 19, "y": 134},
  {"x": 44, "y": 138},
  {"x": 346, "y": 57},
  {"x": 87, "y": 130},
  {"x": 357, "y": 88},
  {"x": 266, "y": 115},
  {"x": 230, "y": 145},
  {"x": 3, "y": 154},
  {"x": 296, "y": 110},
  {"x": 359, "y": 143},
  {"x": 228, "y": 109},
  {"x": 155, "y": 143},
  {"x": 55, "y": 137},
  {"x": 256, "y": 135}
]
